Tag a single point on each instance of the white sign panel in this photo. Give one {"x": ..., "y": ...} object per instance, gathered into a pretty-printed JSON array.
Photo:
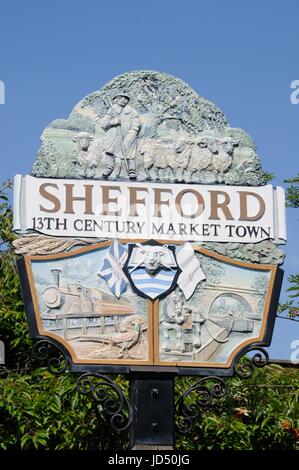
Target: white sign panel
[{"x": 133, "y": 210}]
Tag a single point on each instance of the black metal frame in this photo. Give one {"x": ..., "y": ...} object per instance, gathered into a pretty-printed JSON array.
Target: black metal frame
[
  {"x": 109, "y": 396},
  {"x": 152, "y": 411},
  {"x": 205, "y": 390}
]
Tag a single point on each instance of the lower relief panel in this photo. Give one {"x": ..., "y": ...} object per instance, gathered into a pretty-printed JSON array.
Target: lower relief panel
[
  {"x": 227, "y": 311},
  {"x": 75, "y": 306},
  {"x": 201, "y": 317}
]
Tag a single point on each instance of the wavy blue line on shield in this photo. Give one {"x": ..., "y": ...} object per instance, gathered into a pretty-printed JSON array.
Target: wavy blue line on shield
[{"x": 153, "y": 286}]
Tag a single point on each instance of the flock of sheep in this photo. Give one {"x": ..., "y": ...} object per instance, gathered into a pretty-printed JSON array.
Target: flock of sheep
[{"x": 181, "y": 161}]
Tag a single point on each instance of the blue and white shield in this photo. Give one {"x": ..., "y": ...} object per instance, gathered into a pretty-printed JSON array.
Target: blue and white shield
[{"x": 152, "y": 269}]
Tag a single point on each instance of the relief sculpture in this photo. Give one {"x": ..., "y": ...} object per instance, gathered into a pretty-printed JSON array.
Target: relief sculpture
[
  {"x": 100, "y": 302},
  {"x": 226, "y": 308},
  {"x": 77, "y": 306},
  {"x": 148, "y": 126}
]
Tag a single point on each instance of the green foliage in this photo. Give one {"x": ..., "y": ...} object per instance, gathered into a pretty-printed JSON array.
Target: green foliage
[
  {"x": 38, "y": 410},
  {"x": 261, "y": 413},
  {"x": 13, "y": 326},
  {"x": 292, "y": 194},
  {"x": 6, "y": 235},
  {"x": 291, "y": 306},
  {"x": 42, "y": 411},
  {"x": 268, "y": 177}
]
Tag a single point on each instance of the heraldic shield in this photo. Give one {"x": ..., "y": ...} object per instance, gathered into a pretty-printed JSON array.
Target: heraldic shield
[{"x": 152, "y": 269}]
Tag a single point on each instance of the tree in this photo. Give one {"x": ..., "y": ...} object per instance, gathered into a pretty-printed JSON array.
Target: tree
[
  {"x": 291, "y": 306},
  {"x": 292, "y": 194}
]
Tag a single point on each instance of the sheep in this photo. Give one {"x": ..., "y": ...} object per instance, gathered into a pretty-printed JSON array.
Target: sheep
[
  {"x": 228, "y": 145},
  {"x": 210, "y": 159},
  {"x": 88, "y": 151},
  {"x": 158, "y": 159},
  {"x": 200, "y": 160},
  {"x": 181, "y": 162},
  {"x": 222, "y": 160},
  {"x": 147, "y": 149}
]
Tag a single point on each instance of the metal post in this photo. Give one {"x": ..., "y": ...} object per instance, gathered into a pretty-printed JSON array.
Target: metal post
[{"x": 152, "y": 400}]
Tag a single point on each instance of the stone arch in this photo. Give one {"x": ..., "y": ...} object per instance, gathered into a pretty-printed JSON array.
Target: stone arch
[{"x": 230, "y": 295}]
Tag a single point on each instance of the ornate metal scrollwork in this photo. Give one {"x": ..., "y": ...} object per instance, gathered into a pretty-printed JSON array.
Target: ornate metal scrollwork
[
  {"x": 202, "y": 393},
  {"x": 44, "y": 350},
  {"x": 245, "y": 365},
  {"x": 109, "y": 396}
]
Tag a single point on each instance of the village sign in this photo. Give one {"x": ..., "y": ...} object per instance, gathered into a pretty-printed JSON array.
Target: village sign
[{"x": 148, "y": 235}]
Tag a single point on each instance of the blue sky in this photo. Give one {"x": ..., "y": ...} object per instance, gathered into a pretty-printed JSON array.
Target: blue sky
[{"x": 242, "y": 55}]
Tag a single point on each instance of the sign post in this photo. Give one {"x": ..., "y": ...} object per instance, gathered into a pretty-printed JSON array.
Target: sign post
[
  {"x": 149, "y": 245},
  {"x": 152, "y": 399}
]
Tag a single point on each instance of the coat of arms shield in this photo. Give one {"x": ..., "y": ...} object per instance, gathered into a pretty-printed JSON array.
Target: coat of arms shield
[{"x": 152, "y": 269}]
